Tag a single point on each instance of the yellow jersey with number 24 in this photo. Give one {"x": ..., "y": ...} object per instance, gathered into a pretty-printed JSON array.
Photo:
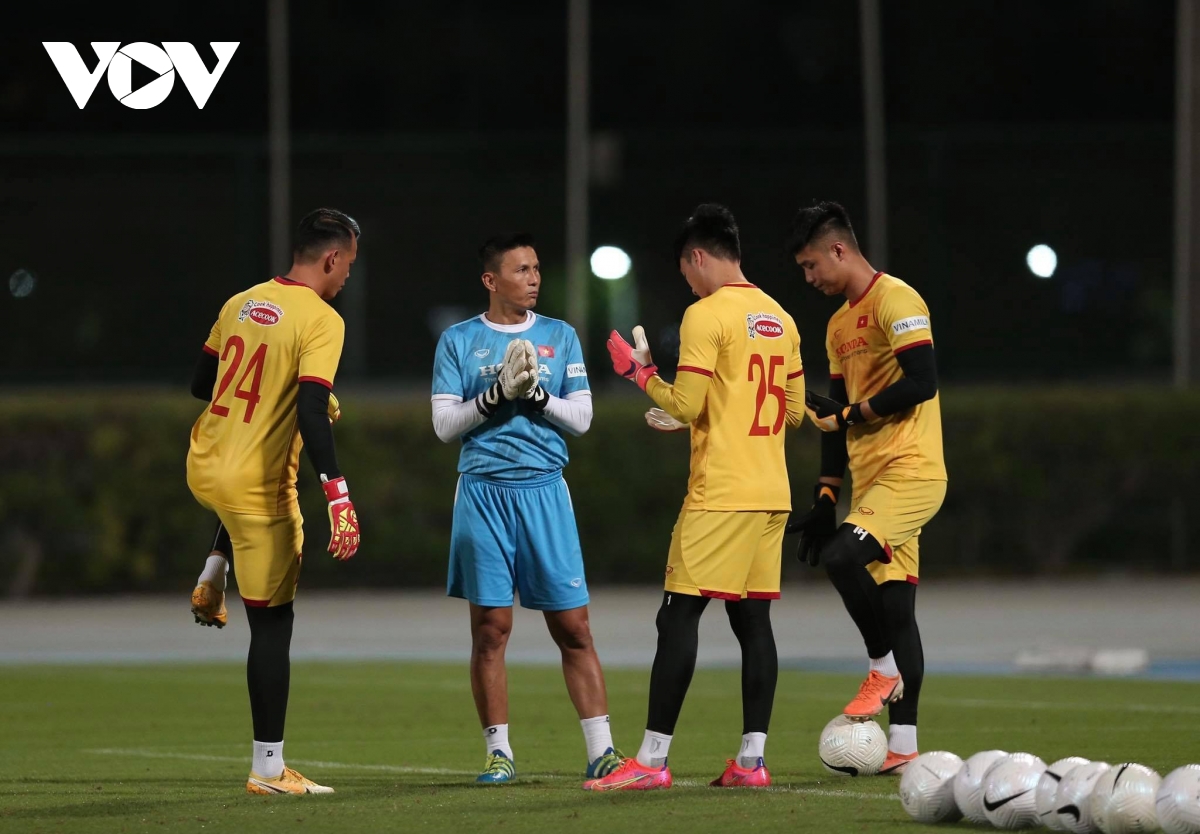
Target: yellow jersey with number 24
[{"x": 245, "y": 447}]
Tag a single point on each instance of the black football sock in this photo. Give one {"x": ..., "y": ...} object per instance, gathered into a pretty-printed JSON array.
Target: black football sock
[
  {"x": 900, "y": 618},
  {"x": 678, "y": 622},
  {"x": 861, "y": 597},
  {"x": 221, "y": 543},
  {"x": 751, "y": 623},
  {"x": 268, "y": 668}
]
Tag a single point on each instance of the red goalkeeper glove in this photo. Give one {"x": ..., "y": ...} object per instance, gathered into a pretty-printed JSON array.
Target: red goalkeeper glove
[
  {"x": 343, "y": 520},
  {"x": 632, "y": 361}
]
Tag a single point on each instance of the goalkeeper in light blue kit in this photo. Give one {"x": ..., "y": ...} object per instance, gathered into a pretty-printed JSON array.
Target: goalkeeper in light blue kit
[{"x": 512, "y": 384}]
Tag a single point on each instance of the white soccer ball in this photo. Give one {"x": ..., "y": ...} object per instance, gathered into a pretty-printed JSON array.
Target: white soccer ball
[
  {"x": 1010, "y": 791},
  {"x": 1048, "y": 786},
  {"x": 1178, "y": 801},
  {"x": 852, "y": 748},
  {"x": 1071, "y": 801},
  {"x": 927, "y": 787},
  {"x": 968, "y": 784},
  {"x": 1123, "y": 800}
]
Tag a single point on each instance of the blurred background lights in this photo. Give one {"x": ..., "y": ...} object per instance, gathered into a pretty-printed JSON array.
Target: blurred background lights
[
  {"x": 1042, "y": 261},
  {"x": 21, "y": 283},
  {"x": 610, "y": 263}
]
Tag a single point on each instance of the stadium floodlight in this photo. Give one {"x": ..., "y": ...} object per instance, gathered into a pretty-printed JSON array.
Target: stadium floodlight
[
  {"x": 610, "y": 263},
  {"x": 1042, "y": 261}
]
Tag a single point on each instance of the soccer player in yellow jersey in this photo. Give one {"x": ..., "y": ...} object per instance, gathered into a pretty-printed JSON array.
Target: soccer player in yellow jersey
[
  {"x": 739, "y": 383},
  {"x": 267, "y": 370},
  {"x": 882, "y": 415}
]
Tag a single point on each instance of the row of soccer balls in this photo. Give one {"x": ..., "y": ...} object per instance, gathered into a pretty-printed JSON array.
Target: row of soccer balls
[{"x": 1018, "y": 790}]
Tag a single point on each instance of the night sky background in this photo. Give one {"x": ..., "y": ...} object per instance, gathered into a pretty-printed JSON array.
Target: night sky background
[{"x": 437, "y": 124}]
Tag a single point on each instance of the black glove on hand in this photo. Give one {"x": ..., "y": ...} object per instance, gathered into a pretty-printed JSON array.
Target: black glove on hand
[
  {"x": 818, "y": 525},
  {"x": 830, "y": 415}
]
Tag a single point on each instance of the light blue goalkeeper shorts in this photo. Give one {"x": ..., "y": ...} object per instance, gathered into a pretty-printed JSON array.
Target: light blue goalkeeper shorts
[{"x": 518, "y": 536}]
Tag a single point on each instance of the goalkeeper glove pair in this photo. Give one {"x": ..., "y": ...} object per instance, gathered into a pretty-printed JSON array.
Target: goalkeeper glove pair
[{"x": 518, "y": 379}]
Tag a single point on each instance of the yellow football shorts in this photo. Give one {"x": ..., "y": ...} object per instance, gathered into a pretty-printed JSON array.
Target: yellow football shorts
[
  {"x": 726, "y": 555},
  {"x": 266, "y": 554},
  {"x": 893, "y": 509}
]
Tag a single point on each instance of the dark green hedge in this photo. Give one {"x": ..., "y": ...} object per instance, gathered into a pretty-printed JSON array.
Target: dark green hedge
[{"x": 93, "y": 496}]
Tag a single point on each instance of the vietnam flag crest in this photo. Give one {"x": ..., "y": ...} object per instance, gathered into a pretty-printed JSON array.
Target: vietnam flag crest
[{"x": 545, "y": 351}]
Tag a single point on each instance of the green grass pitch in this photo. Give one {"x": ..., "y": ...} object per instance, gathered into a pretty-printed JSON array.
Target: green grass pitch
[{"x": 166, "y": 748}]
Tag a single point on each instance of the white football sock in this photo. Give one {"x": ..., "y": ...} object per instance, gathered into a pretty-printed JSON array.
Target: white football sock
[
  {"x": 268, "y": 759},
  {"x": 496, "y": 738},
  {"x": 597, "y": 735},
  {"x": 902, "y": 739},
  {"x": 215, "y": 571},
  {"x": 654, "y": 749},
  {"x": 753, "y": 745},
  {"x": 885, "y": 665}
]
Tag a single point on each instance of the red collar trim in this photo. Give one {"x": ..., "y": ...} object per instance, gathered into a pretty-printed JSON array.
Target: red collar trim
[
  {"x": 288, "y": 282},
  {"x": 747, "y": 285},
  {"x": 867, "y": 290}
]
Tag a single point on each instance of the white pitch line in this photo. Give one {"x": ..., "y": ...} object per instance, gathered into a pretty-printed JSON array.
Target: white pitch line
[
  {"x": 683, "y": 783},
  {"x": 200, "y": 757},
  {"x": 991, "y": 703},
  {"x": 887, "y": 797}
]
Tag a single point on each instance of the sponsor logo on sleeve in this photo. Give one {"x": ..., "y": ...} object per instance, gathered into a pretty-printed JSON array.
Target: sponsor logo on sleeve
[
  {"x": 763, "y": 324},
  {"x": 576, "y": 370},
  {"x": 910, "y": 324},
  {"x": 261, "y": 312}
]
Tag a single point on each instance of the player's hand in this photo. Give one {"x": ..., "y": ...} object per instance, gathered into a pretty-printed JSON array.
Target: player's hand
[
  {"x": 537, "y": 398},
  {"x": 817, "y": 525},
  {"x": 632, "y": 361},
  {"x": 335, "y": 409},
  {"x": 533, "y": 365},
  {"x": 514, "y": 376},
  {"x": 830, "y": 415},
  {"x": 343, "y": 520},
  {"x": 660, "y": 420}
]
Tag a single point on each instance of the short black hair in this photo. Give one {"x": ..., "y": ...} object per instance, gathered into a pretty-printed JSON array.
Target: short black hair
[
  {"x": 321, "y": 229},
  {"x": 813, "y": 222},
  {"x": 494, "y": 248},
  {"x": 711, "y": 227}
]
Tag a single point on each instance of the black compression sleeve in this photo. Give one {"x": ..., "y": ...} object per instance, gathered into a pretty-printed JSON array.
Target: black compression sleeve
[
  {"x": 312, "y": 414},
  {"x": 918, "y": 385},
  {"x": 834, "y": 456},
  {"x": 205, "y": 376}
]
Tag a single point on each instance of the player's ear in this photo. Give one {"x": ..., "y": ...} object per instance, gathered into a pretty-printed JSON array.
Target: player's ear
[{"x": 489, "y": 281}]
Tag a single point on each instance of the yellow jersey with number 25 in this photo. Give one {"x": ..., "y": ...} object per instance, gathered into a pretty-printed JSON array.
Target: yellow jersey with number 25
[{"x": 739, "y": 382}]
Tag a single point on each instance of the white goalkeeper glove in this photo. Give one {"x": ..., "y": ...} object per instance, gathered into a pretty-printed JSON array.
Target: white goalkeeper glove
[
  {"x": 660, "y": 420},
  {"x": 517, "y": 378},
  {"x": 518, "y": 373}
]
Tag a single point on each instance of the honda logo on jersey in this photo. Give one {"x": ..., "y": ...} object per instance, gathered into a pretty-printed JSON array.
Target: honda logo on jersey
[{"x": 118, "y": 62}]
